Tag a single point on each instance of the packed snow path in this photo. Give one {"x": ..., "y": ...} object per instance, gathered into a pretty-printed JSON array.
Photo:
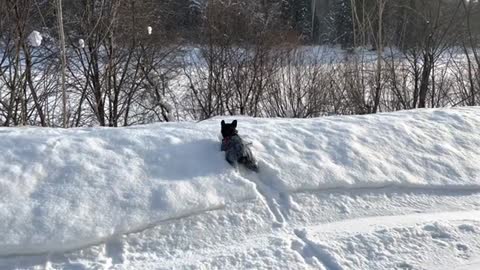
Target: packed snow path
[{"x": 398, "y": 190}]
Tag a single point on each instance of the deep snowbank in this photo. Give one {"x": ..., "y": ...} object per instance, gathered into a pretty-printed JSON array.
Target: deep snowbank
[
  {"x": 434, "y": 148},
  {"x": 62, "y": 189}
]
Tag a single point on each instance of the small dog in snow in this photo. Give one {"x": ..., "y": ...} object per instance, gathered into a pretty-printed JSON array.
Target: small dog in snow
[{"x": 236, "y": 151}]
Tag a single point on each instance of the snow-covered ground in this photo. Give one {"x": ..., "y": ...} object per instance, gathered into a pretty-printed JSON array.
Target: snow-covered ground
[{"x": 398, "y": 190}]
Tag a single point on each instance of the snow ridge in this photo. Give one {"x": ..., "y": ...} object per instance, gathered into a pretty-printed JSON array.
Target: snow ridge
[{"x": 86, "y": 186}]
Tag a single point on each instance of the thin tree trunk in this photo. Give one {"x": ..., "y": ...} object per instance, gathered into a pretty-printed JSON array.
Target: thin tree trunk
[
  {"x": 63, "y": 61},
  {"x": 425, "y": 80},
  {"x": 28, "y": 78},
  {"x": 378, "y": 86}
]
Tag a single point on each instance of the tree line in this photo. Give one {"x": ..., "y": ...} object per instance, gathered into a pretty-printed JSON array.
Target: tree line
[{"x": 134, "y": 62}]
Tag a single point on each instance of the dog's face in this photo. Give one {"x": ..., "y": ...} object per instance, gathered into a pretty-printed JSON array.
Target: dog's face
[{"x": 229, "y": 130}]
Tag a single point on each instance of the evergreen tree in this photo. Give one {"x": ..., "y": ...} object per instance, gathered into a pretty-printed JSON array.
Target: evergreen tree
[
  {"x": 297, "y": 14},
  {"x": 340, "y": 24}
]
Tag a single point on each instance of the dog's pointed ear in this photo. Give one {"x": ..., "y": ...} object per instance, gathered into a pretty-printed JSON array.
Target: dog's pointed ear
[
  {"x": 234, "y": 123},
  {"x": 223, "y": 123}
]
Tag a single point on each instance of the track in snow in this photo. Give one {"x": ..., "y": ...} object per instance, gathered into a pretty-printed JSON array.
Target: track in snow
[{"x": 269, "y": 195}]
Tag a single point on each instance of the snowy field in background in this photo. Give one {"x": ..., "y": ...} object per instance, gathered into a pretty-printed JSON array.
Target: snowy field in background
[{"x": 387, "y": 191}]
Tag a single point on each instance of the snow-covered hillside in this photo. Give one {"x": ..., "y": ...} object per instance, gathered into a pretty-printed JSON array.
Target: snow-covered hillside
[{"x": 397, "y": 190}]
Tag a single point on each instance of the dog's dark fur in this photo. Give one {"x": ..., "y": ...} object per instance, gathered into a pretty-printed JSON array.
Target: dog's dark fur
[{"x": 236, "y": 151}]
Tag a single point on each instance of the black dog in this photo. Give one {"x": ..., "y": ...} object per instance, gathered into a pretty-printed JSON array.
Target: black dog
[{"x": 236, "y": 151}]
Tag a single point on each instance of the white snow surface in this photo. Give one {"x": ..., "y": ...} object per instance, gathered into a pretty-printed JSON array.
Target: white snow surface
[
  {"x": 35, "y": 39},
  {"x": 81, "y": 43},
  {"x": 396, "y": 190}
]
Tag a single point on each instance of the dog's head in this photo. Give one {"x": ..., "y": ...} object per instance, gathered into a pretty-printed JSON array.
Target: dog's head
[{"x": 229, "y": 130}]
